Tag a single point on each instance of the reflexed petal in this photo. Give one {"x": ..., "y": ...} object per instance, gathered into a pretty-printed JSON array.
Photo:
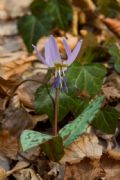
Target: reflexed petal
[
  {"x": 67, "y": 48},
  {"x": 74, "y": 53},
  {"x": 40, "y": 57},
  {"x": 48, "y": 56},
  {"x": 55, "y": 55}
]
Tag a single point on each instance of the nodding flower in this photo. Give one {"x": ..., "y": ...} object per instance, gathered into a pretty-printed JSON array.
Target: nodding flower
[{"x": 53, "y": 60}]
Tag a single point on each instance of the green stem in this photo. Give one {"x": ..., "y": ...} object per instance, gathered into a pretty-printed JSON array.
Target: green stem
[{"x": 56, "y": 112}]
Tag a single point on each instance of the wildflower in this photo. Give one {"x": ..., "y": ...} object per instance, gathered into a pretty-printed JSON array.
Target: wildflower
[{"x": 53, "y": 60}]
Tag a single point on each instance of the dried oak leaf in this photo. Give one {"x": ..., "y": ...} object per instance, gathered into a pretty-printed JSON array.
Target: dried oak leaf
[
  {"x": 114, "y": 153},
  {"x": 8, "y": 144},
  {"x": 83, "y": 171},
  {"x": 110, "y": 92},
  {"x": 28, "y": 174},
  {"x": 86, "y": 145},
  {"x": 16, "y": 120},
  {"x": 20, "y": 165},
  {"x": 16, "y": 65},
  {"x": 108, "y": 169},
  {"x": 111, "y": 167},
  {"x": 26, "y": 93},
  {"x": 113, "y": 24},
  {"x": 111, "y": 88},
  {"x": 3, "y": 174},
  {"x": 6, "y": 87}
]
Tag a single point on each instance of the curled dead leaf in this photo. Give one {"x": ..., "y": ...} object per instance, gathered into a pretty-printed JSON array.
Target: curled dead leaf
[
  {"x": 16, "y": 120},
  {"x": 8, "y": 144},
  {"x": 113, "y": 24},
  {"x": 20, "y": 165},
  {"x": 27, "y": 173},
  {"x": 86, "y": 145},
  {"x": 83, "y": 171},
  {"x": 3, "y": 174}
]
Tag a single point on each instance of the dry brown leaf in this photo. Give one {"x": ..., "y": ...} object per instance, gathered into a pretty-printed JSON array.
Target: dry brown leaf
[
  {"x": 20, "y": 8},
  {"x": 8, "y": 28},
  {"x": 3, "y": 174},
  {"x": 28, "y": 174},
  {"x": 16, "y": 120},
  {"x": 110, "y": 92},
  {"x": 111, "y": 167},
  {"x": 6, "y": 86},
  {"x": 38, "y": 118},
  {"x": 83, "y": 171},
  {"x": 8, "y": 144},
  {"x": 108, "y": 169},
  {"x": 26, "y": 93},
  {"x": 20, "y": 165},
  {"x": 17, "y": 66},
  {"x": 113, "y": 24},
  {"x": 114, "y": 153},
  {"x": 111, "y": 88},
  {"x": 85, "y": 146}
]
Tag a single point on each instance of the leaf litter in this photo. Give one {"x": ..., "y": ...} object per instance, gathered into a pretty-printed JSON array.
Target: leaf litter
[{"x": 93, "y": 155}]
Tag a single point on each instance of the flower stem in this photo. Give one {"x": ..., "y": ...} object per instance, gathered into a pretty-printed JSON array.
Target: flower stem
[{"x": 56, "y": 112}]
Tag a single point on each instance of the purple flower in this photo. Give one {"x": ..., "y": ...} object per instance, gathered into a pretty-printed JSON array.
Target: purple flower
[{"x": 53, "y": 60}]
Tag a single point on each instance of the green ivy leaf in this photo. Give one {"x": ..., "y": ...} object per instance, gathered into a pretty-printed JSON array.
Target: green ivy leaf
[
  {"x": 72, "y": 131},
  {"x": 87, "y": 78},
  {"x": 44, "y": 102},
  {"x": 115, "y": 53},
  {"x": 106, "y": 120},
  {"x": 31, "y": 29},
  {"x": 57, "y": 12},
  {"x": 30, "y": 139}
]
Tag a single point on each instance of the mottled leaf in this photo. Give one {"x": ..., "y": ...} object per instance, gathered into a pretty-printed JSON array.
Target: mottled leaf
[
  {"x": 30, "y": 139},
  {"x": 72, "y": 131}
]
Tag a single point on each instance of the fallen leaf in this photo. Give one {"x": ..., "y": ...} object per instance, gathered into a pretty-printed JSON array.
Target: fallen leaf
[
  {"x": 26, "y": 93},
  {"x": 16, "y": 120},
  {"x": 110, "y": 92},
  {"x": 111, "y": 168},
  {"x": 114, "y": 153},
  {"x": 86, "y": 145},
  {"x": 111, "y": 88},
  {"x": 20, "y": 8},
  {"x": 8, "y": 144},
  {"x": 83, "y": 171},
  {"x": 113, "y": 24},
  {"x": 17, "y": 65},
  {"x": 28, "y": 174},
  {"x": 3, "y": 174},
  {"x": 19, "y": 166},
  {"x": 107, "y": 169}
]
